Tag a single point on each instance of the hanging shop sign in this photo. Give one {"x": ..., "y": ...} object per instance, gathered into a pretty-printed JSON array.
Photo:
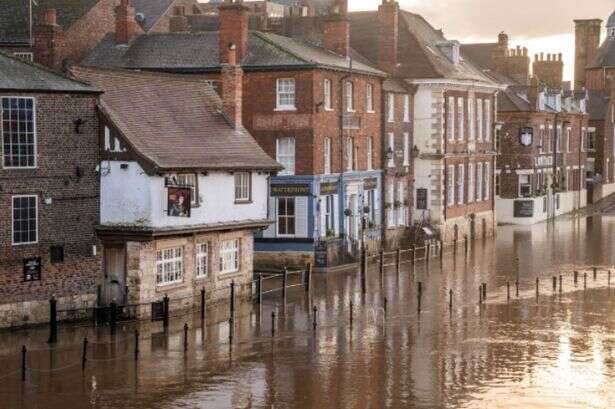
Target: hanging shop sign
[
  {"x": 370, "y": 184},
  {"x": 179, "y": 201}
]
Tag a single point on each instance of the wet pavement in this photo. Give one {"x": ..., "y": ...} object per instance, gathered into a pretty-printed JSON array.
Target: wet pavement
[{"x": 554, "y": 351}]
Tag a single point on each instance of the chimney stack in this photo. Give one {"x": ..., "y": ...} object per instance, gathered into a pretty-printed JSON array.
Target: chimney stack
[
  {"x": 178, "y": 22},
  {"x": 49, "y": 41},
  {"x": 233, "y": 15},
  {"x": 587, "y": 42},
  {"x": 550, "y": 70},
  {"x": 125, "y": 25},
  {"x": 533, "y": 93},
  {"x": 388, "y": 34},
  {"x": 337, "y": 29},
  {"x": 232, "y": 87}
]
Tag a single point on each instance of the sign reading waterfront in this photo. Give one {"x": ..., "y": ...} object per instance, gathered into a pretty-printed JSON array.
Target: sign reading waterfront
[{"x": 290, "y": 190}]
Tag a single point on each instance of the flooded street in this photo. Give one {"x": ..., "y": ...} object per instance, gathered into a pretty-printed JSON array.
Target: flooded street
[{"x": 554, "y": 351}]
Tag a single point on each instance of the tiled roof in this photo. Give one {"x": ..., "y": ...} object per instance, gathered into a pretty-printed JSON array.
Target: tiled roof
[
  {"x": 14, "y": 22},
  {"x": 68, "y": 11},
  {"x": 25, "y": 76},
  {"x": 174, "y": 122},
  {"x": 419, "y": 54},
  {"x": 199, "y": 51},
  {"x": 480, "y": 54},
  {"x": 606, "y": 54}
]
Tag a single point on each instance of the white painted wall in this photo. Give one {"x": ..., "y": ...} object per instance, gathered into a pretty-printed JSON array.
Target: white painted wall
[{"x": 132, "y": 197}]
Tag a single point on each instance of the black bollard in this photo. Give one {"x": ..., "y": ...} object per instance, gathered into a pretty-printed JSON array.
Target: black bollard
[
  {"x": 480, "y": 294},
  {"x": 576, "y": 277},
  {"x": 203, "y": 304},
  {"x": 450, "y": 300},
  {"x": 385, "y": 305},
  {"x": 314, "y": 317},
  {"x": 484, "y": 291},
  {"x": 381, "y": 266},
  {"x": 84, "y": 353},
  {"x": 165, "y": 319},
  {"x": 24, "y": 352},
  {"x": 560, "y": 283},
  {"x": 595, "y": 273},
  {"x": 537, "y": 284},
  {"x": 113, "y": 320},
  {"x": 53, "y": 321},
  {"x": 517, "y": 288},
  {"x": 232, "y": 312},
  {"x": 136, "y": 345},
  {"x": 507, "y": 291},
  {"x": 186, "y": 337},
  {"x": 230, "y": 330},
  {"x": 351, "y": 312},
  {"x": 272, "y": 323},
  {"x": 584, "y": 281},
  {"x": 467, "y": 245}
]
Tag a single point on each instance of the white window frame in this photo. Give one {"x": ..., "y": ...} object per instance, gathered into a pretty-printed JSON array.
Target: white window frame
[
  {"x": 525, "y": 185},
  {"x": 391, "y": 162},
  {"x": 460, "y": 182},
  {"x": 390, "y": 107},
  {"x": 229, "y": 256},
  {"x": 479, "y": 182},
  {"x": 406, "y": 108},
  {"x": 406, "y": 148},
  {"x": 189, "y": 180},
  {"x": 450, "y": 186},
  {"x": 568, "y": 139},
  {"x": 370, "y": 153},
  {"x": 286, "y": 98},
  {"x": 287, "y": 159},
  {"x": 202, "y": 260},
  {"x": 391, "y": 203},
  {"x": 286, "y": 217},
  {"x": 243, "y": 187},
  {"x": 479, "y": 119},
  {"x": 34, "y": 132},
  {"x": 327, "y": 95},
  {"x": 471, "y": 124},
  {"x": 471, "y": 179},
  {"x": 329, "y": 214},
  {"x": 173, "y": 258},
  {"x": 487, "y": 105},
  {"x": 349, "y": 96},
  {"x": 487, "y": 175},
  {"x": 460, "y": 118},
  {"x": 36, "y": 220},
  {"x": 327, "y": 156},
  {"x": 369, "y": 98},
  {"x": 450, "y": 126},
  {"x": 401, "y": 210}
]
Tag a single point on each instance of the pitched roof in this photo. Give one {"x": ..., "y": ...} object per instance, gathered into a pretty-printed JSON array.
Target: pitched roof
[
  {"x": 68, "y": 11},
  {"x": 15, "y": 21},
  {"x": 185, "y": 52},
  {"x": 152, "y": 11},
  {"x": 21, "y": 75},
  {"x": 480, "y": 53},
  {"x": 605, "y": 57},
  {"x": 420, "y": 56},
  {"x": 174, "y": 122},
  {"x": 598, "y": 105}
]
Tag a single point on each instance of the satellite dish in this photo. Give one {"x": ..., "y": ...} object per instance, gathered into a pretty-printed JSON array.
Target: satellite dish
[{"x": 140, "y": 17}]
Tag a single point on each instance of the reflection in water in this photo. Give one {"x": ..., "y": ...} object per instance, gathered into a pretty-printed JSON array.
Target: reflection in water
[{"x": 554, "y": 352}]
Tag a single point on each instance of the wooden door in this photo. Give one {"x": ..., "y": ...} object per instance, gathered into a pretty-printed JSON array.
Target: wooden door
[{"x": 115, "y": 275}]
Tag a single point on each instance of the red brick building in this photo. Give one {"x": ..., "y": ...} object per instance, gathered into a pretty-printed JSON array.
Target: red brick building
[
  {"x": 16, "y": 28},
  {"x": 314, "y": 108},
  {"x": 49, "y": 192}
]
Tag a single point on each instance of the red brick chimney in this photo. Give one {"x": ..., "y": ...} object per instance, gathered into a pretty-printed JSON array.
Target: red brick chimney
[
  {"x": 337, "y": 29},
  {"x": 178, "y": 22},
  {"x": 388, "y": 30},
  {"x": 233, "y": 15},
  {"x": 125, "y": 24},
  {"x": 232, "y": 87},
  {"x": 533, "y": 93},
  {"x": 49, "y": 41}
]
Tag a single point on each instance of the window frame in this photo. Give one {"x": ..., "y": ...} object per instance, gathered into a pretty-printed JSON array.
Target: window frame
[
  {"x": 327, "y": 94},
  {"x": 194, "y": 189},
  {"x": 406, "y": 108},
  {"x": 391, "y": 147},
  {"x": 460, "y": 183},
  {"x": 471, "y": 179},
  {"x": 522, "y": 186},
  {"x": 34, "y": 132},
  {"x": 450, "y": 186},
  {"x": 327, "y": 168},
  {"x": 370, "y": 153},
  {"x": 479, "y": 182},
  {"x": 406, "y": 149},
  {"x": 202, "y": 260},
  {"x": 174, "y": 259},
  {"x": 243, "y": 176},
  {"x": 286, "y": 216},
  {"x": 36, "y": 219},
  {"x": 350, "y": 154},
  {"x": 286, "y": 171},
  {"x": 390, "y": 107},
  {"x": 369, "y": 98},
  {"x": 234, "y": 253},
  {"x": 279, "y": 105},
  {"x": 450, "y": 119},
  {"x": 460, "y": 119},
  {"x": 349, "y": 96}
]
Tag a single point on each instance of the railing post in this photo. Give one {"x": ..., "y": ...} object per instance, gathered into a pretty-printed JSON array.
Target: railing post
[
  {"x": 484, "y": 291},
  {"x": 84, "y": 355},
  {"x": 450, "y": 300},
  {"x": 186, "y": 337},
  {"x": 272, "y": 323},
  {"x": 584, "y": 281},
  {"x": 136, "y": 345},
  {"x": 53, "y": 321},
  {"x": 113, "y": 319},
  {"x": 314, "y": 317},
  {"x": 203, "y": 304},
  {"x": 441, "y": 251},
  {"x": 560, "y": 283},
  {"x": 351, "y": 312},
  {"x": 413, "y": 255},
  {"x": 308, "y": 277},
  {"x": 537, "y": 287},
  {"x": 165, "y": 308},
  {"x": 284, "y": 282},
  {"x": 24, "y": 352},
  {"x": 363, "y": 270},
  {"x": 467, "y": 244},
  {"x": 398, "y": 261},
  {"x": 232, "y": 298},
  {"x": 260, "y": 289},
  {"x": 427, "y": 251},
  {"x": 554, "y": 284},
  {"x": 517, "y": 288},
  {"x": 576, "y": 277},
  {"x": 507, "y": 291},
  {"x": 381, "y": 263}
]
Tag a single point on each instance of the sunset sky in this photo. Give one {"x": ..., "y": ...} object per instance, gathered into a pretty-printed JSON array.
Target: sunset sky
[{"x": 539, "y": 25}]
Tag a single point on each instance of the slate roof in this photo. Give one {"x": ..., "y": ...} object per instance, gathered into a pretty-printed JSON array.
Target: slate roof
[
  {"x": 152, "y": 10},
  {"x": 193, "y": 52},
  {"x": 606, "y": 54},
  {"x": 68, "y": 11},
  {"x": 21, "y": 75},
  {"x": 173, "y": 122},
  {"x": 598, "y": 104},
  {"x": 419, "y": 54},
  {"x": 15, "y": 22}
]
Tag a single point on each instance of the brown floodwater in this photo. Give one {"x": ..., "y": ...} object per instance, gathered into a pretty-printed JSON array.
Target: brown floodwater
[{"x": 554, "y": 351}]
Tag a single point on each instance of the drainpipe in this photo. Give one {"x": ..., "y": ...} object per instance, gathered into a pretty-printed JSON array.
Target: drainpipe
[{"x": 342, "y": 150}]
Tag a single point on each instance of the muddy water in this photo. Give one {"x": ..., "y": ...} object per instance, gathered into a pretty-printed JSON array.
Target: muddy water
[{"x": 554, "y": 351}]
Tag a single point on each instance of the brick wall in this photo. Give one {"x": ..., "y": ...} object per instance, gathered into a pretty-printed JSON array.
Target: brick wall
[{"x": 70, "y": 219}]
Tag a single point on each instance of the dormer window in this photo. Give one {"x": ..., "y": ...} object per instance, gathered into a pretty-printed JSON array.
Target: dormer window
[{"x": 451, "y": 50}]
